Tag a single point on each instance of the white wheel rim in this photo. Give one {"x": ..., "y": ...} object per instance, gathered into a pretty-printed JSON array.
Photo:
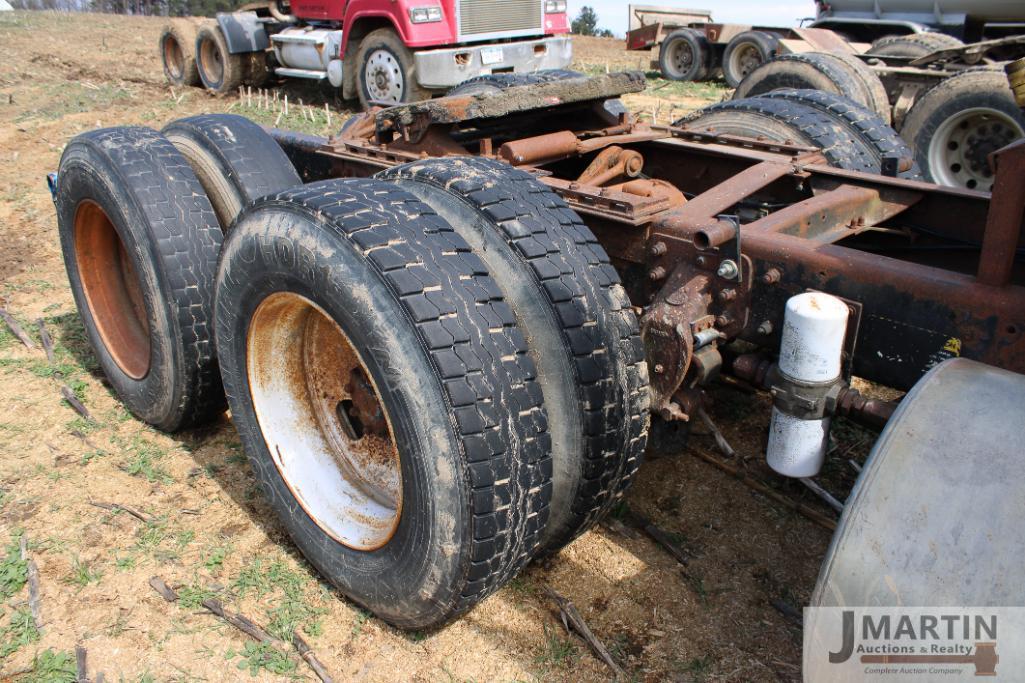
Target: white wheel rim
[
  {"x": 310, "y": 390},
  {"x": 959, "y": 149},
  {"x": 383, "y": 77},
  {"x": 744, "y": 59},
  {"x": 681, "y": 57}
]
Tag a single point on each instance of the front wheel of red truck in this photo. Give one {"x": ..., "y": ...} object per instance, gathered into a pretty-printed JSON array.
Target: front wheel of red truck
[{"x": 386, "y": 72}]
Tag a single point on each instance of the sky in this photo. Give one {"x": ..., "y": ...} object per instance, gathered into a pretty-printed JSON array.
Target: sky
[{"x": 612, "y": 14}]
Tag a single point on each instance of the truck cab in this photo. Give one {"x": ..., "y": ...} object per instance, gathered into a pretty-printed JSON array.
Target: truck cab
[{"x": 393, "y": 51}]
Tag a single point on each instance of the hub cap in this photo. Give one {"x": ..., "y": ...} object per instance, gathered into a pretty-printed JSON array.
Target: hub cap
[
  {"x": 681, "y": 58},
  {"x": 959, "y": 149},
  {"x": 323, "y": 422},
  {"x": 383, "y": 76}
]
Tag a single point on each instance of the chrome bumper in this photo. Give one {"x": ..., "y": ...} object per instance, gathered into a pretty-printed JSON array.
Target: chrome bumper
[{"x": 451, "y": 66}]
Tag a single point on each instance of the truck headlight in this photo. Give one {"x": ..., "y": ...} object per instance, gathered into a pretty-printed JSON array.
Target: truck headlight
[
  {"x": 424, "y": 15},
  {"x": 555, "y": 6}
]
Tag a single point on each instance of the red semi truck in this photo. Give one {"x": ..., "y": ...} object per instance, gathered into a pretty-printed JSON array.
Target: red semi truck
[{"x": 386, "y": 51}]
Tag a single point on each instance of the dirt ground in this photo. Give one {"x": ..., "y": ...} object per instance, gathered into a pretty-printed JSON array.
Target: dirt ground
[{"x": 205, "y": 527}]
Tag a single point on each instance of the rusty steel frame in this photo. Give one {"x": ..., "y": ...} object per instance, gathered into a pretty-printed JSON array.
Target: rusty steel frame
[{"x": 629, "y": 181}]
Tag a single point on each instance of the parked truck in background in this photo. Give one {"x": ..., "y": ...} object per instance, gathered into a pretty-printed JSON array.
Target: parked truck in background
[
  {"x": 387, "y": 51},
  {"x": 969, "y": 20}
]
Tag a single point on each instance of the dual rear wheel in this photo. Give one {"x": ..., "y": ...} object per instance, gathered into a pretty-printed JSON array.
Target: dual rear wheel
[{"x": 436, "y": 374}]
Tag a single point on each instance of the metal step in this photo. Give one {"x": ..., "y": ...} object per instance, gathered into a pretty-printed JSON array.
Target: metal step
[{"x": 301, "y": 73}]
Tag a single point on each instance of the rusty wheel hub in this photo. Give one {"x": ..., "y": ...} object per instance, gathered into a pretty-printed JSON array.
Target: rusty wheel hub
[
  {"x": 323, "y": 421},
  {"x": 112, "y": 290},
  {"x": 173, "y": 57}
]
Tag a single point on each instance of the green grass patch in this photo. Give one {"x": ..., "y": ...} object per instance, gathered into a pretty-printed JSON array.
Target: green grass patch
[
  {"x": 13, "y": 569},
  {"x": 556, "y": 651},
  {"x": 19, "y": 631},
  {"x": 82, "y": 574},
  {"x": 256, "y": 657},
  {"x": 291, "y": 607},
  {"x": 51, "y": 666},
  {"x": 144, "y": 461}
]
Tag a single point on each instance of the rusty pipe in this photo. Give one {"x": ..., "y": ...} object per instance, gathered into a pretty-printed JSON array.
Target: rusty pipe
[
  {"x": 539, "y": 148},
  {"x": 715, "y": 234}
]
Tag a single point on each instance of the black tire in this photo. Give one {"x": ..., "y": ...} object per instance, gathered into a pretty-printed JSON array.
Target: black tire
[
  {"x": 177, "y": 47},
  {"x": 610, "y": 110},
  {"x": 583, "y": 333},
  {"x": 235, "y": 160},
  {"x": 431, "y": 330},
  {"x": 220, "y": 71},
  {"x": 685, "y": 55},
  {"x": 389, "y": 54},
  {"x": 866, "y": 126},
  {"x": 913, "y": 45},
  {"x": 806, "y": 71},
  {"x": 875, "y": 92},
  {"x": 738, "y": 59},
  {"x": 140, "y": 243},
  {"x": 784, "y": 121},
  {"x": 952, "y": 127}
]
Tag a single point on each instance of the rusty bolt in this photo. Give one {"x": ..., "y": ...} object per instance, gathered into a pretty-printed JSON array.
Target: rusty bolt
[
  {"x": 701, "y": 261},
  {"x": 659, "y": 368},
  {"x": 659, "y": 249},
  {"x": 657, "y": 273},
  {"x": 765, "y": 328},
  {"x": 771, "y": 276},
  {"x": 727, "y": 295},
  {"x": 723, "y": 320}
]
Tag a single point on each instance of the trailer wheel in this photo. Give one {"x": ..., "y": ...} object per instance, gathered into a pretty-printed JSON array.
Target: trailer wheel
[
  {"x": 746, "y": 52},
  {"x": 913, "y": 45},
  {"x": 957, "y": 123},
  {"x": 386, "y": 71},
  {"x": 140, "y": 243},
  {"x": 235, "y": 160},
  {"x": 685, "y": 55},
  {"x": 809, "y": 71},
  {"x": 941, "y": 488},
  {"x": 610, "y": 110},
  {"x": 220, "y": 71},
  {"x": 865, "y": 126},
  {"x": 583, "y": 333},
  {"x": 786, "y": 122},
  {"x": 384, "y": 396},
  {"x": 874, "y": 91},
  {"x": 178, "y": 52}
]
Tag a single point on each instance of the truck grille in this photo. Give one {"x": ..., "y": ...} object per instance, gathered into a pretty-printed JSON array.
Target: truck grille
[{"x": 493, "y": 16}]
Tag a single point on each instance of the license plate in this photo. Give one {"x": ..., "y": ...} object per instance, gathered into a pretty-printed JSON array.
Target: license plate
[{"x": 491, "y": 55}]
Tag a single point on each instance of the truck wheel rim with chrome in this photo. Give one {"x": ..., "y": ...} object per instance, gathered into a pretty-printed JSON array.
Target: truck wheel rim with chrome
[
  {"x": 959, "y": 150},
  {"x": 744, "y": 59},
  {"x": 681, "y": 57},
  {"x": 383, "y": 77},
  {"x": 323, "y": 422}
]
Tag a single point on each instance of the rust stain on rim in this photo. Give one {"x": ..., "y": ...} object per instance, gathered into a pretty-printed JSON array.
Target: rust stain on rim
[
  {"x": 112, "y": 290},
  {"x": 322, "y": 419},
  {"x": 173, "y": 56}
]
